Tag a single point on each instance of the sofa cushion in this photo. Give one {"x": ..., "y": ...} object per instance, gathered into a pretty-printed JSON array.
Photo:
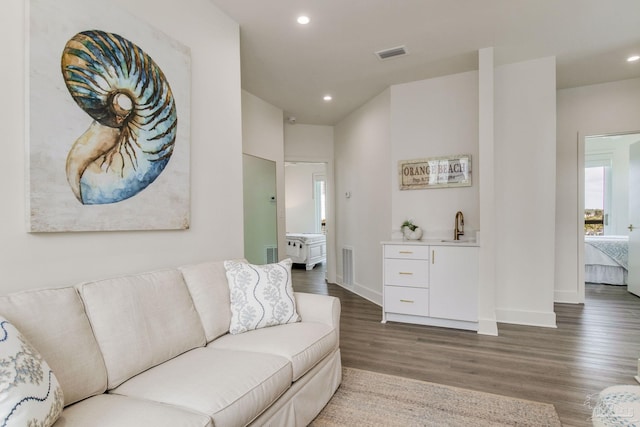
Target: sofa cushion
[
  {"x": 261, "y": 295},
  {"x": 141, "y": 320},
  {"x": 109, "y": 410},
  {"x": 55, "y": 323},
  {"x": 207, "y": 283},
  {"x": 29, "y": 390},
  {"x": 232, "y": 387},
  {"x": 304, "y": 344}
]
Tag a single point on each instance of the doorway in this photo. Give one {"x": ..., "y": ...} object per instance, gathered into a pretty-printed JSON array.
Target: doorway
[
  {"x": 607, "y": 209},
  {"x": 305, "y": 196},
  {"x": 307, "y": 203}
]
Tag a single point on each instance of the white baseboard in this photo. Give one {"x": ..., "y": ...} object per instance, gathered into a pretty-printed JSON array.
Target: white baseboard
[
  {"x": 431, "y": 321},
  {"x": 528, "y": 318},
  {"x": 363, "y": 291},
  {"x": 369, "y": 294},
  {"x": 488, "y": 327},
  {"x": 567, "y": 297}
]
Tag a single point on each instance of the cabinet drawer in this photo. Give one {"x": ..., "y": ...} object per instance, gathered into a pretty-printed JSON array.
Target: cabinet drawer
[
  {"x": 406, "y": 272},
  {"x": 406, "y": 251},
  {"x": 402, "y": 300}
]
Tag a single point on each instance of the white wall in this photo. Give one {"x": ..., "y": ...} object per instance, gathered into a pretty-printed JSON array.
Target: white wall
[
  {"x": 525, "y": 179},
  {"x": 438, "y": 117},
  {"x": 263, "y": 136},
  {"x": 588, "y": 110},
  {"x": 308, "y": 143},
  {"x": 432, "y": 118},
  {"x": 315, "y": 143},
  {"x": 362, "y": 154},
  {"x": 301, "y": 203},
  {"x": 60, "y": 259}
]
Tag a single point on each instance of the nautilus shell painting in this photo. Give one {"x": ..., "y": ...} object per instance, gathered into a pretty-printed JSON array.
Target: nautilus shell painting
[
  {"x": 108, "y": 120},
  {"x": 133, "y": 132}
]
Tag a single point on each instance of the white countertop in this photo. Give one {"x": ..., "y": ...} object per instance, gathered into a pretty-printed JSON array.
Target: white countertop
[{"x": 434, "y": 242}]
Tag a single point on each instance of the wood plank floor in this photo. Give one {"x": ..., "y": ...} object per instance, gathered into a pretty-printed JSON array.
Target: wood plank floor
[{"x": 595, "y": 345}]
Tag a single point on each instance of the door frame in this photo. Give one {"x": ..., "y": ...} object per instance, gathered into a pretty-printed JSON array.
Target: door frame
[
  {"x": 330, "y": 274},
  {"x": 633, "y": 284},
  {"x": 580, "y": 208}
]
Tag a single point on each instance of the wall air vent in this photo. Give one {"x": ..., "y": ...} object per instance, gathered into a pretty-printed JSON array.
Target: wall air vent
[
  {"x": 347, "y": 266},
  {"x": 271, "y": 254},
  {"x": 391, "y": 53}
]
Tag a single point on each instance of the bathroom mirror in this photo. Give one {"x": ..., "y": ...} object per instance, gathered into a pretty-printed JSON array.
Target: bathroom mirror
[{"x": 260, "y": 213}]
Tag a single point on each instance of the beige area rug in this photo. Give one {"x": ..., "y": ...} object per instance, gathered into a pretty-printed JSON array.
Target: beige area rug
[{"x": 370, "y": 399}]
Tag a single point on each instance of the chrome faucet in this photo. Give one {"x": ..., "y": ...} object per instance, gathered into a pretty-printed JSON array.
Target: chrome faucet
[{"x": 458, "y": 230}]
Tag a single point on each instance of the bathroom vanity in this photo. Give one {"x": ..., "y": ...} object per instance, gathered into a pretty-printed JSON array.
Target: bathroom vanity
[{"x": 431, "y": 283}]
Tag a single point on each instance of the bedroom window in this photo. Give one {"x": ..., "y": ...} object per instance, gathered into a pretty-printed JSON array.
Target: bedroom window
[{"x": 596, "y": 181}]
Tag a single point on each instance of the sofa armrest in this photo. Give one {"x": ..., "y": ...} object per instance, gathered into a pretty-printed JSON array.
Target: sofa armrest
[{"x": 319, "y": 308}]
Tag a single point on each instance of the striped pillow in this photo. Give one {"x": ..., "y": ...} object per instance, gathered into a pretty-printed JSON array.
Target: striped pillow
[{"x": 261, "y": 295}]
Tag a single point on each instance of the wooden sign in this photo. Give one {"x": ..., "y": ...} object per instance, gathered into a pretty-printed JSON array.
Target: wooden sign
[{"x": 435, "y": 172}]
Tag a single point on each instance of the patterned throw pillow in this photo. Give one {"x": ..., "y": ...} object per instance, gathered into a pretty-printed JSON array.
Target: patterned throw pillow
[
  {"x": 29, "y": 391},
  {"x": 261, "y": 295}
]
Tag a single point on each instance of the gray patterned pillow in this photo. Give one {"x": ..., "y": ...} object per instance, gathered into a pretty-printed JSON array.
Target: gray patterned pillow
[
  {"x": 261, "y": 295},
  {"x": 29, "y": 391}
]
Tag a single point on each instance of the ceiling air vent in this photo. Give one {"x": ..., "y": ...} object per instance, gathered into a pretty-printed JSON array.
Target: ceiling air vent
[{"x": 391, "y": 53}]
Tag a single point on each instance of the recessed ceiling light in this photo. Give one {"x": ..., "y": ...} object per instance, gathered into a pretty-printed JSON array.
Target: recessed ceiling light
[
  {"x": 633, "y": 58},
  {"x": 303, "y": 20},
  {"x": 327, "y": 98}
]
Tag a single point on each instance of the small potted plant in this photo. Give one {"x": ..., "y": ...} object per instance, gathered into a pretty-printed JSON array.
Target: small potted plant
[{"x": 410, "y": 231}]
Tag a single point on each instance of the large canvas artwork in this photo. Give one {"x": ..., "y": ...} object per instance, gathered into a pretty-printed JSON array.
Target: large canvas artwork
[{"x": 108, "y": 121}]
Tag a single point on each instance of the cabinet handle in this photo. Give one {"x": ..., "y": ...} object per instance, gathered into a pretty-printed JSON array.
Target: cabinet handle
[
  {"x": 406, "y": 273},
  {"x": 407, "y": 300},
  {"x": 405, "y": 252},
  {"x": 433, "y": 256}
]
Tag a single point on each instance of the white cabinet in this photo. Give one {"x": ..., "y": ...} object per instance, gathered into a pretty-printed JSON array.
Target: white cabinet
[
  {"x": 453, "y": 278},
  {"x": 431, "y": 284},
  {"x": 406, "y": 279}
]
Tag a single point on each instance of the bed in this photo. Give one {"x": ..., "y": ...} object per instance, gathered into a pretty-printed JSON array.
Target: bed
[
  {"x": 606, "y": 259},
  {"x": 307, "y": 248}
]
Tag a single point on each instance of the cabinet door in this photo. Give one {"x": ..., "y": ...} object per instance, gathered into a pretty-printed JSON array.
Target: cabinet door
[{"x": 453, "y": 283}]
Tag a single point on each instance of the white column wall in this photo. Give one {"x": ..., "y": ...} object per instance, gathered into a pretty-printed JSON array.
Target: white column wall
[
  {"x": 525, "y": 183},
  {"x": 487, "y": 205}
]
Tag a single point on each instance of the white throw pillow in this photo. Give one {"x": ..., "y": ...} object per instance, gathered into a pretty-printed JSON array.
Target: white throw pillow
[
  {"x": 29, "y": 391},
  {"x": 261, "y": 295}
]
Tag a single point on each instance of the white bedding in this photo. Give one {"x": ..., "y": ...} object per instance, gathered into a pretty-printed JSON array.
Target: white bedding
[{"x": 601, "y": 267}]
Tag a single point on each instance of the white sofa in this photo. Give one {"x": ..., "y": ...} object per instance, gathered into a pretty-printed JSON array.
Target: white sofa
[{"x": 153, "y": 349}]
